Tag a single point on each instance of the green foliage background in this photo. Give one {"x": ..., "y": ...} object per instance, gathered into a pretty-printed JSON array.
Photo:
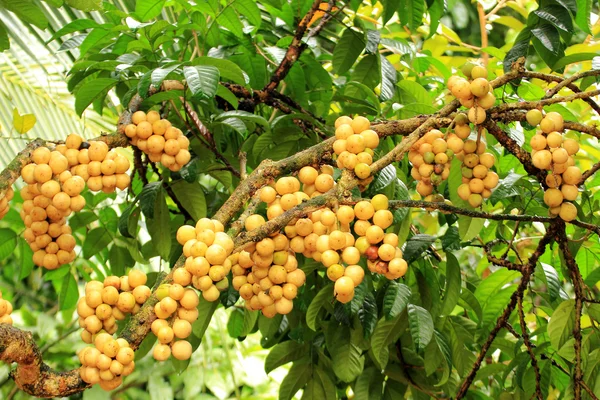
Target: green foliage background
[{"x": 386, "y": 60}]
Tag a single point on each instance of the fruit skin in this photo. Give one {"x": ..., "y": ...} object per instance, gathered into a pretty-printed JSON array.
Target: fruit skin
[{"x": 534, "y": 117}]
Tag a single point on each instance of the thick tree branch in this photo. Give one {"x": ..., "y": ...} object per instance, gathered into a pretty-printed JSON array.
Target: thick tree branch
[
  {"x": 562, "y": 82},
  {"x": 31, "y": 374}
]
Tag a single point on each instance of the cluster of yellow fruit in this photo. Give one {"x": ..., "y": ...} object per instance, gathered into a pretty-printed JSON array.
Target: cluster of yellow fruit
[
  {"x": 6, "y": 309},
  {"x": 431, "y": 157},
  {"x": 266, "y": 273},
  {"x": 110, "y": 301},
  {"x": 208, "y": 249},
  {"x": 158, "y": 139},
  {"x": 4, "y": 206},
  {"x": 478, "y": 179},
  {"x": 55, "y": 180},
  {"x": 477, "y": 95},
  {"x": 553, "y": 153},
  {"x": 107, "y": 362},
  {"x": 180, "y": 305},
  {"x": 354, "y": 144}
]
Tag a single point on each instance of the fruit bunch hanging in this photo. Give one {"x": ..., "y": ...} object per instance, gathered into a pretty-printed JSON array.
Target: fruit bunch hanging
[
  {"x": 110, "y": 301},
  {"x": 431, "y": 157},
  {"x": 354, "y": 144},
  {"x": 478, "y": 180},
  {"x": 54, "y": 181},
  {"x": 107, "y": 362},
  {"x": 6, "y": 309},
  {"x": 207, "y": 265},
  {"x": 4, "y": 203},
  {"x": 176, "y": 312},
  {"x": 161, "y": 141},
  {"x": 266, "y": 273},
  {"x": 474, "y": 92},
  {"x": 554, "y": 153}
]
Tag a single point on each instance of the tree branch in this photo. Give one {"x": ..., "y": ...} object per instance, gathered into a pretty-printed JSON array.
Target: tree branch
[
  {"x": 503, "y": 319},
  {"x": 528, "y": 345},
  {"x": 563, "y": 244}
]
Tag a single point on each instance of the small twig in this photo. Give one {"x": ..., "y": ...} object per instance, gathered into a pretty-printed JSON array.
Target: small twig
[
  {"x": 483, "y": 32},
  {"x": 528, "y": 345},
  {"x": 243, "y": 160}
]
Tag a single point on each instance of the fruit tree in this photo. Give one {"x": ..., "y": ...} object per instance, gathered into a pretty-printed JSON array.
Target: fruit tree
[{"x": 400, "y": 199}]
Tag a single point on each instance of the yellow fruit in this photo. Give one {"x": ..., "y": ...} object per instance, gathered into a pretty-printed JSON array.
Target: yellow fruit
[
  {"x": 344, "y": 286},
  {"x": 553, "y": 197},
  {"x": 360, "y": 124},
  {"x": 534, "y": 117},
  {"x": 568, "y": 211}
]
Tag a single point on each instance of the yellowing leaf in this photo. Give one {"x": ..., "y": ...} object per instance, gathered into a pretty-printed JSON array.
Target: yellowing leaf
[{"x": 23, "y": 123}]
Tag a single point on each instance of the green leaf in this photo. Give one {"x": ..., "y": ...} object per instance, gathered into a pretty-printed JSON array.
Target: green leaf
[
  {"x": 416, "y": 246},
  {"x": 552, "y": 280},
  {"x": 120, "y": 259},
  {"x": 148, "y": 9},
  {"x": 128, "y": 220},
  {"x": 85, "y": 5},
  {"x": 345, "y": 353},
  {"x": 69, "y": 294},
  {"x": 241, "y": 322},
  {"x": 96, "y": 240},
  {"x": 453, "y": 284},
  {"x": 206, "y": 309},
  {"x": 297, "y": 377},
  {"x": 436, "y": 11},
  {"x": 202, "y": 80},
  {"x": 389, "y": 9},
  {"x": 227, "y": 69},
  {"x": 557, "y": 16},
  {"x": 367, "y": 71},
  {"x": 561, "y": 324},
  {"x": 191, "y": 197},
  {"x": 74, "y": 26},
  {"x": 493, "y": 283},
  {"x": 245, "y": 116},
  {"x": 159, "y": 226},
  {"x": 469, "y": 228},
  {"x": 385, "y": 333},
  {"x": 8, "y": 242},
  {"x": 582, "y": 18},
  {"x": 283, "y": 353},
  {"x": 26, "y": 257},
  {"x": 347, "y": 50},
  {"x": 396, "y": 299},
  {"x": 316, "y": 304},
  {"x": 421, "y": 326},
  {"x": 573, "y": 58},
  {"x": 23, "y": 123},
  {"x": 148, "y": 198},
  {"x": 158, "y": 75},
  {"x": 4, "y": 42},
  {"x": 389, "y": 77},
  {"x": 27, "y": 11},
  {"x": 229, "y": 19},
  {"x": 519, "y": 49},
  {"x": 412, "y": 13},
  {"x": 368, "y": 315},
  {"x": 91, "y": 91},
  {"x": 548, "y": 37},
  {"x": 228, "y": 96},
  {"x": 249, "y": 10}
]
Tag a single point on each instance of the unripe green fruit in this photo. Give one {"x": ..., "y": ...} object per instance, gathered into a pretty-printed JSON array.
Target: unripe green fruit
[
  {"x": 162, "y": 291},
  {"x": 461, "y": 119},
  {"x": 429, "y": 157},
  {"x": 467, "y": 68},
  {"x": 534, "y": 117}
]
